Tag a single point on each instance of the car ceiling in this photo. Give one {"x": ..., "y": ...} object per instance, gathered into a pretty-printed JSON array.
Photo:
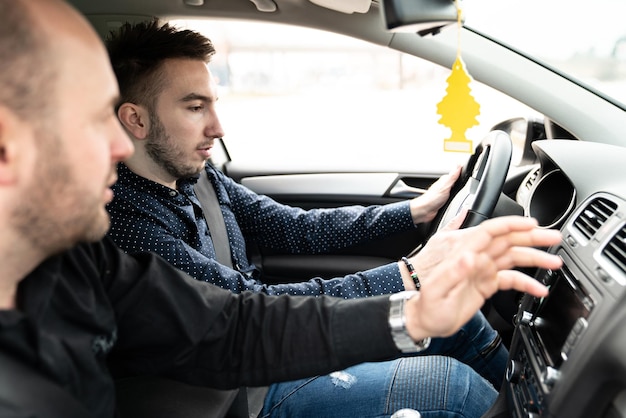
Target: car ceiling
[{"x": 107, "y": 15}]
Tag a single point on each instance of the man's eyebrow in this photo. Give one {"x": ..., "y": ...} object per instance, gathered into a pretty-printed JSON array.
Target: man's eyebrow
[{"x": 195, "y": 96}]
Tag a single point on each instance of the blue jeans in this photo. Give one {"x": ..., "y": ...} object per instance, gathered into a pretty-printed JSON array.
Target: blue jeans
[{"x": 454, "y": 377}]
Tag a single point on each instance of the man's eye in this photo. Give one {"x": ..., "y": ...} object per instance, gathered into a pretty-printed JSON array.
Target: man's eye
[{"x": 196, "y": 108}]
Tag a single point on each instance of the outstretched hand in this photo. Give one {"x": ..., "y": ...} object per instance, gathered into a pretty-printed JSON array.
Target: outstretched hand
[
  {"x": 476, "y": 264},
  {"x": 425, "y": 207},
  {"x": 450, "y": 240}
]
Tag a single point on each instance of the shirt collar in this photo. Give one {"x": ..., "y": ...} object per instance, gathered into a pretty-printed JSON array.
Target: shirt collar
[{"x": 128, "y": 178}]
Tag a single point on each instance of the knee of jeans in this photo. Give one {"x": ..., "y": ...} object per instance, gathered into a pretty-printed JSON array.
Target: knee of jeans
[
  {"x": 440, "y": 386},
  {"x": 279, "y": 395},
  {"x": 471, "y": 394}
]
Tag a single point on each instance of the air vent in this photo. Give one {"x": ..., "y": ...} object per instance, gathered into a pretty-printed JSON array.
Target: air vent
[
  {"x": 531, "y": 179},
  {"x": 615, "y": 250},
  {"x": 594, "y": 215}
]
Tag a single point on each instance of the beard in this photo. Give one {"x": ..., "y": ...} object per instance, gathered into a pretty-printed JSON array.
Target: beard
[
  {"x": 165, "y": 152},
  {"x": 58, "y": 212}
]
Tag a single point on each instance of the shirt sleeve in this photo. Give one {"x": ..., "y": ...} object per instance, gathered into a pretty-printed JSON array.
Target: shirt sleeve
[
  {"x": 378, "y": 281},
  {"x": 137, "y": 225},
  {"x": 299, "y": 231},
  {"x": 174, "y": 326}
]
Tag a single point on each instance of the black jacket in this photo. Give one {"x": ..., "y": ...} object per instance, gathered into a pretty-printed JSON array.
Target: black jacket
[{"x": 94, "y": 312}]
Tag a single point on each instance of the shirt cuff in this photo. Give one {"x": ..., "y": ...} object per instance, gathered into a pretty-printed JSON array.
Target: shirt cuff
[{"x": 385, "y": 279}]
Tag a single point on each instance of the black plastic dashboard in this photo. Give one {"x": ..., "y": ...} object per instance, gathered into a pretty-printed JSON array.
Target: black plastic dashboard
[{"x": 568, "y": 353}]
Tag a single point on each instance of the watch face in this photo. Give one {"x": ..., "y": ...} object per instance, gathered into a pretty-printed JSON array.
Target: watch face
[
  {"x": 397, "y": 324},
  {"x": 404, "y": 295}
]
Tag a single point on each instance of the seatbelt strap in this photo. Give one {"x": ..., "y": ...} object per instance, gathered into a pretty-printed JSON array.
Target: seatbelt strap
[
  {"x": 249, "y": 401},
  {"x": 214, "y": 219}
]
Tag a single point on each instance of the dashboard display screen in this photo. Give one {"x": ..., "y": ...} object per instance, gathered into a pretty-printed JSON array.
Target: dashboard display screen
[{"x": 557, "y": 314}]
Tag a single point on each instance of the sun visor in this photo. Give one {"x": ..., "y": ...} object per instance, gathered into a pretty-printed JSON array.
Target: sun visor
[{"x": 345, "y": 6}]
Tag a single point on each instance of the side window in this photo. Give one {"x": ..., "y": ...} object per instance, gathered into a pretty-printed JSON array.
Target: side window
[{"x": 302, "y": 96}]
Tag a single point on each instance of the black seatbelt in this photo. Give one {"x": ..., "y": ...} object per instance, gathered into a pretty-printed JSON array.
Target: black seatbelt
[
  {"x": 249, "y": 399},
  {"x": 214, "y": 219}
]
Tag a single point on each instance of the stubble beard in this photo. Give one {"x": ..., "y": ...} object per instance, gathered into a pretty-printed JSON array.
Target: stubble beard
[
  {"x": 163, "y": 151},
  {"x": 57, "y": 214}
]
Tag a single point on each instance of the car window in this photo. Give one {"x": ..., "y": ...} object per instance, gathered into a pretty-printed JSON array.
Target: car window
[{"x": 307, "y": 97}]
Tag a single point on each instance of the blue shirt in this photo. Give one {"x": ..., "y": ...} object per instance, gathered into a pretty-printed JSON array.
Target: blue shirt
[{"x": 147, "y": 216}]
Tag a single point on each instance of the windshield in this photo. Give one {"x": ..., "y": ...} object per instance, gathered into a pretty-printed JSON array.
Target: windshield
[
  {"x": 586, "y": 40},
  {"x": 353, "y": 105}
]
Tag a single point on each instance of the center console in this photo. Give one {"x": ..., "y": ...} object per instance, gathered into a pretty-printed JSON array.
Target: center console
[
  {"x": 548, "y": 329},
  {"x": 566, "y": 355}
]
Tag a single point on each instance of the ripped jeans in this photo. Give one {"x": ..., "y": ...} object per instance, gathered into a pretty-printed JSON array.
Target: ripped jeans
[{"x": 453, "y": 378}]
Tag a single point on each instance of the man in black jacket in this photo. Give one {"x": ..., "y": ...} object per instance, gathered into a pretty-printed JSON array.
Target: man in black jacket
[{"x": 74, "y": 309}]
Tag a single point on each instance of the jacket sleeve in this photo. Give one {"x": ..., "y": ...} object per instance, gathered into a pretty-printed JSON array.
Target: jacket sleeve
[{"x": 172, "y": 325}]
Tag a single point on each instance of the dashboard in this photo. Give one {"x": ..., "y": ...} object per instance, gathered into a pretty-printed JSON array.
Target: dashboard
[{"x": 568, "y": 352}]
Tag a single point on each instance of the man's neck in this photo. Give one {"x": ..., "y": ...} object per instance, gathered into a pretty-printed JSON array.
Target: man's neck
[
  {"x": 17, "y": 260},
  {"x": 147, "y": 168},
  {"x": 8, "y": 297}
]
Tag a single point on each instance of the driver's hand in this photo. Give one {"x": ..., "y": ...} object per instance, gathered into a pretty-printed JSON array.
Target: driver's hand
[
  {"x": 476, "y": 265},
  {"x": 425, "y": 207}
]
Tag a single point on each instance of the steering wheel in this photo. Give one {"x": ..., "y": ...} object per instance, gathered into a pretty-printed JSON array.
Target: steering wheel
[
  {"x": 480, "y": 183},
  {"x": 478, "y": 189}
]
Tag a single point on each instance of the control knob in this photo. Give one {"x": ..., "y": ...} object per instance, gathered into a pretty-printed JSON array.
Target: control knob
[
  {"x": 513, "y": 371},
  {"x": 550, "y": 376}
]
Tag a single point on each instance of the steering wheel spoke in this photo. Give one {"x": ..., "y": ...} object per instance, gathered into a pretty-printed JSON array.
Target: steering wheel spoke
[{"x": 480, "y": 183}]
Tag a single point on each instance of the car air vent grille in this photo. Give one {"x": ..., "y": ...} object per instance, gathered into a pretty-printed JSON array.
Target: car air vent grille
[
  {"x": 531, "y": 179},
  {"x": 615, "y": 250},
  {"x": 594, "y": 215}
]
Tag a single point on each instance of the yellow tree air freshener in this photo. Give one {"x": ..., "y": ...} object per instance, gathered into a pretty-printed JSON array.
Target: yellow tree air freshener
[{"x": 458, "y": 109}]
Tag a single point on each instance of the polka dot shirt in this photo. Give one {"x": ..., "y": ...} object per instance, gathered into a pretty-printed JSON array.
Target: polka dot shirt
[{"x": 147, "y": 216}]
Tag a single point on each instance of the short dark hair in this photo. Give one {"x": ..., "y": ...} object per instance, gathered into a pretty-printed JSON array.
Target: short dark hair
[
  {"x": 137, "y": 52},
  {"x": 27, "y": 65}
]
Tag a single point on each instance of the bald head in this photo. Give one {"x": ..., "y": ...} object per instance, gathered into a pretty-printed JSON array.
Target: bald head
[
  {"x": 58, "y": 19},
  {"x": 34, "y": 37},
  {"x": 59, "y": 135}
]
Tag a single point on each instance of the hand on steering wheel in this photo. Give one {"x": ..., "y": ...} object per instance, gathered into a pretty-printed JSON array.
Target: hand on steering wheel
[{"x": 479, "y": 186}]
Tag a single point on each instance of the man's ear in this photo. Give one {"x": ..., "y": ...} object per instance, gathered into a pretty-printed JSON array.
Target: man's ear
[
  {"x": 135, "y": 120},
  {"x": 11, "y": 138}
]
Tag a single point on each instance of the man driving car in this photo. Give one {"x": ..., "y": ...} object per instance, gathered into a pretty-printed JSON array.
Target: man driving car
[
  {"x": 75, "y": 310},
  {"x": 167, "y": 106}
]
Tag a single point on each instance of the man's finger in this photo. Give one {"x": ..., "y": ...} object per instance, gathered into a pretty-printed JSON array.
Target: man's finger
[
  {"x": 512, "y": 279},
  {"x": 446, "y": 181},
  {"x": 528, "y": 257},
  {"x": 497, "y": 238},
  {"x": 506, "y": 224},
  {"x": 455, "y": 223}
]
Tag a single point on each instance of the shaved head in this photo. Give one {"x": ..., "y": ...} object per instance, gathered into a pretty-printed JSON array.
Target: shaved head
[
  {"x": 26, "y": 67},
  {"x": 56, "y": 78}
]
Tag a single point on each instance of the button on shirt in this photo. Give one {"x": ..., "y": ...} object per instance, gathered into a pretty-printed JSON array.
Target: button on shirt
[{"x": 147, "y": 216}]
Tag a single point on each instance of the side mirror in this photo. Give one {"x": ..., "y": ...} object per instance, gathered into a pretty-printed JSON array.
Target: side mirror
[{"x": 421, "y": 16}]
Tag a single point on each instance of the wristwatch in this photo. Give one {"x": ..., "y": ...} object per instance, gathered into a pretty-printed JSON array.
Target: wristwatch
[{"x": 397, "y": 324}]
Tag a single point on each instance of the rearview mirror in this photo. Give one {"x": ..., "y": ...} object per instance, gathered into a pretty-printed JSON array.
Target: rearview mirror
[{"x": 421, "y": 16}]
